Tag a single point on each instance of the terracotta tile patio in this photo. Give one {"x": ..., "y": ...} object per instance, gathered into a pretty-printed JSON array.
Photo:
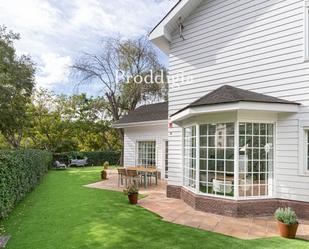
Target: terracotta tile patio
[{"x": 176, "y": 211}]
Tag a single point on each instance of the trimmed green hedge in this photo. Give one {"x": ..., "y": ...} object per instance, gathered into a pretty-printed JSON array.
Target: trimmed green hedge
[
  {"x": 20, "y": 172},
  {"x": 95, "y": 158}
]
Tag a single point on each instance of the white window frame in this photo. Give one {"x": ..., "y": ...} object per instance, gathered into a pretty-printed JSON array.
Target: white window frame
[
  {"x": 137, "y": 147},
  {"x": 271, "y": 187},
  {"x": 306, "y": 29}
]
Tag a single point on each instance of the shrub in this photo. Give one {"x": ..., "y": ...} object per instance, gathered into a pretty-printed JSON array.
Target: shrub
[
  {"x": 286, "y": 216},
  {"x": 94, "y": 157},
  {"x": 106, "y": 165},
  {"x": 131, "y": 189},
  {"x": 20, "y": 172}
]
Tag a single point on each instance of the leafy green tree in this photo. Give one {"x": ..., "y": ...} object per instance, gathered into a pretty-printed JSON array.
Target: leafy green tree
[
  {"x": 70, "y": 123},
  {"x": 16, "y": 86},
  {"x": 116, "y": 67}
]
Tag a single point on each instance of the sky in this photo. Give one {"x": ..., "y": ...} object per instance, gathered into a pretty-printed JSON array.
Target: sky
[{"x": 55, "y": 33}]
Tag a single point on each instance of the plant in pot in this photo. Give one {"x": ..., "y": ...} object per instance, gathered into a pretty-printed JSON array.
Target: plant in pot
[
  {"x": 287, "y": 222},
  {"x": 132, "y": 192},
  {"x": 104, "y": 172}
]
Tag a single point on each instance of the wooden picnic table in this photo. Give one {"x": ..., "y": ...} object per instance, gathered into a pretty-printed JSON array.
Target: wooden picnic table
[{"x": 145, "y": 171}]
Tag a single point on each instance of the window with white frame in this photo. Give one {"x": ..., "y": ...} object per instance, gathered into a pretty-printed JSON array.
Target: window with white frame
[
  {"x": 248, "y": 174},
  {"x": 146, "y": 153},
  {"x": 306, "y": 30},
  {"x": 255, "y": 159},
  {"x": 217, "y": 159},
  {"x": 190, "y": 156}
]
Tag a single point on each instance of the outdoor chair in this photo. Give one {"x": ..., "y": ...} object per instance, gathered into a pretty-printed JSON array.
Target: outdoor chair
[
  {"x": 79, "y": 162},
  {"x": 134, "y": 177},
  {"x": 122, "y": 175},
  {"x": 150, "y": 175},
  {"x": 59, "y": 165}
]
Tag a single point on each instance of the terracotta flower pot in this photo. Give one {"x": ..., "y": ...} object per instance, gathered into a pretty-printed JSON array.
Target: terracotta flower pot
[
  {"x": 133, "y": 198},
  {"x": 287, "y": 231},
  {"x": 103, "y": 175}
]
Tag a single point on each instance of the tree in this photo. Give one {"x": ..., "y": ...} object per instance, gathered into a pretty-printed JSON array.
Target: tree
[
  {"x": 62, "y": 123},
  {"x": 16, "y": 86},
  {"x": 115, "y": 68}
]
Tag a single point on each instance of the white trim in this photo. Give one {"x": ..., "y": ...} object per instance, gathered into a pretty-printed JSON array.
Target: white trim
[
  {"x": 236, "y": 160},
  {"x": 161, "y": 35},
  {"x": 197, "y": 156},
  {"x": 242, "y": 105},
  {"x": 306, "y": 30},
  {"x": 136, "y": 124},
  {"x": 303, "y": 168}
]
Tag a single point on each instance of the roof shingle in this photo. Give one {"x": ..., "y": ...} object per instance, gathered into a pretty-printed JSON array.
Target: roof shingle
[
  {"x": 229, "y": 94},
  {"x": 152, "y": 112}
]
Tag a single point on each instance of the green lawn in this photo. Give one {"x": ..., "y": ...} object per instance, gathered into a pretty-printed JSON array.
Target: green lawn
[{"x": 61, "y": 214}]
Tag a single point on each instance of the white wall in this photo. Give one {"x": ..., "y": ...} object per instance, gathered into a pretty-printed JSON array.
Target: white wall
[
  {"x": 255, "y": 45},
  {"x": 151, "y": 132}
]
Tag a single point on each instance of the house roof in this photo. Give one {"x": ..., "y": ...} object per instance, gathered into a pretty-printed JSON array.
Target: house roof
[
  {"x": 145, "y": 113},
  {"x": 229, "y": 94}
]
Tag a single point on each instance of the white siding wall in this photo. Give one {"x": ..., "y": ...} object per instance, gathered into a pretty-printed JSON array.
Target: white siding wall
[
  {"x": 255, "y": 45},
  {"x": 151, "y": 132}
]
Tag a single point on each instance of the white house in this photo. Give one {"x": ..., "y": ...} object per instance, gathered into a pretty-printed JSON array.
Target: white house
[
  {"x": 238, "y": 141},
  {"x": 145, "y": 136}
]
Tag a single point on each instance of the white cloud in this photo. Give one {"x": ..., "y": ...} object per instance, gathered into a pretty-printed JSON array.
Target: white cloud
[
  {"x": 54, "y": 32},
  {"x": 54, "y": 69}
]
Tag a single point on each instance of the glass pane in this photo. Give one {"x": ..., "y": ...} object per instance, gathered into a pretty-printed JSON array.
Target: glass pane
[
  {"x": 211, "y": 165},
  {"x": 242, "y": 128},
  {"x": 229, "y": 166},
  {"x": 230, "y": 129},
  {"x": 203, "y": 130},
  {"x": 212, "y": 129},
  {"x": 203, "y": 164},
  {"x": 230, "y": 141},
  {"x": 248, "y": 128},
  {"x": 203, "y": 153},
  {"x": 230, "y": 154},
  {"x": 203, "y": 141},
  {"x": 211, "y": 141}
]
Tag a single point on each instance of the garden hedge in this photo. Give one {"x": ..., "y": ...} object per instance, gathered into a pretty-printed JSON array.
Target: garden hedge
[
  {"x": 95, "y": 158},
  {"x": 20, "y": 172}
]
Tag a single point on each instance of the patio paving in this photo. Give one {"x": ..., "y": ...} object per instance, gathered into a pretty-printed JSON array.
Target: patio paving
[{"x": 176, "y": 211}]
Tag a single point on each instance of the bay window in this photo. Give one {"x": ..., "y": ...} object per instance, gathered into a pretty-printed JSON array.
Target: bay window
[{"x": 222, "y": 173}]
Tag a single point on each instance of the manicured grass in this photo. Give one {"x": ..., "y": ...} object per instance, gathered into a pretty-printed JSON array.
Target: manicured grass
[{"x": 62, "y": 214}]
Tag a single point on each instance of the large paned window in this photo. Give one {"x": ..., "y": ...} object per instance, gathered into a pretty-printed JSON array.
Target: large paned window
[
  {"x": 146, "y": 153},
  {"x": 190, "y": 156},
  {"x": 219, "y": 172},
  {"x": 256, "y": 142},
  {"x": 217, "y": 159}
]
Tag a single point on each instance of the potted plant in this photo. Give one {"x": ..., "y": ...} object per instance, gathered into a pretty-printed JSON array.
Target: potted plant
[
  {"x": 104, "y": 172},
  {"x": 132, "y": 192},
  {"x": 287, "y": 222}
]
